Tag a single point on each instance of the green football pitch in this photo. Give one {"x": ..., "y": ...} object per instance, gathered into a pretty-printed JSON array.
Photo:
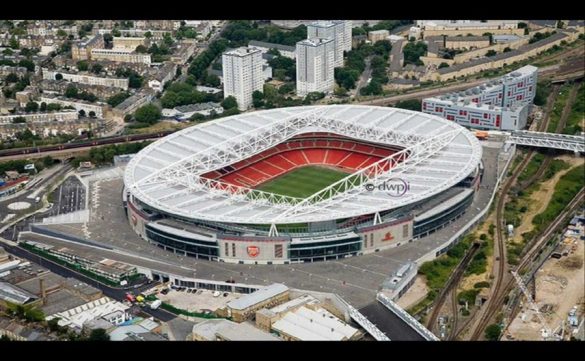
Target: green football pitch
[{"x": 303, "y": 182}]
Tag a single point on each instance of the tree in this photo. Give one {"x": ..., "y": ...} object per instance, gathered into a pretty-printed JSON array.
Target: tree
[
  {"x": 197, "y": 117},
  {"x": 141, "y": 49},
  {"x": 443, "y": 65},
  {"x": 92, "y": 114},
  {"x": 28, "y": 64},
  {"x": 18, "y": 120},
  {"x": 412, "y": 104},
  {"x": 7, "y": 52},
  {"x": 29, "y": 313},
  {"x": 96, "y": 68},
  {"x": 61, "y": 33},
  {"x": 31, "y": 107},
  {"x": 52, "y": 107},
  {"x": 492, "y": 332},
  {"x": 82, "y": 65},
  {"x": 148, "y": 35},
  {"x": 82, "y": 113},
  {"x": 13, "y": 43},
  {"x": 117, "y": 99},
  {"x": 286, "y": 88},
  {"x": 340, "y": 91},
  {"x": 71, "y": 92},
  {"x": 116, "y": 33},
  {"x": 258, "y": 99},
  {"x": 11, "y": 78},
  {"x": 108, "y": 39},
  {"x": 149, "y": 114},
  {"x": 99, "y": 334},
  {"x": 128, "y": 118},
  {"x": 507, "y": 49},
  {"x": 43, "y": 107},
  {"x": 58, "y": 76},
  {"x": 491, "y": 53},
  {"x": 212, "y": 80},
  {"x": 229, "y": 103}
]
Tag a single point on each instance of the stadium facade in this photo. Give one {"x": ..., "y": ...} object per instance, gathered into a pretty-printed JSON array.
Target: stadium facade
[{"x": 198, "y": 192}]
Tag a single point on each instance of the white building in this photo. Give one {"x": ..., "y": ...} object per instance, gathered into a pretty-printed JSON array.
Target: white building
[
  {"x": 315, "y": 59},
  {"x": 335, "y": 30},
  {"x": 120, "y": 55},
  {"x": 242, "y": 75},
  {"x": 165, "y": 74},
  {"x": 110, "y": 310},
  {"x": 41, "y": 117},
  {"x": 284, "y": 50},
  {"x": 185, "y": 112},
  {"x": 121, "y": 83}
]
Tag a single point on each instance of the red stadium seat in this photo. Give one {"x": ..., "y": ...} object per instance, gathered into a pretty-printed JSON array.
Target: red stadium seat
[{"x": 313, "y": 148}]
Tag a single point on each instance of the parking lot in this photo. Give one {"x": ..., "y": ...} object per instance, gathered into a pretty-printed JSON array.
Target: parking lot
[
  {"x": 68, "y": 197},
  {"x": 193, "y": 300}
]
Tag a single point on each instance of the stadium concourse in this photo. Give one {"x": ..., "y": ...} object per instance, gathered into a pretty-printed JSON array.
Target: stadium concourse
[{"x": 302, "y": 184}]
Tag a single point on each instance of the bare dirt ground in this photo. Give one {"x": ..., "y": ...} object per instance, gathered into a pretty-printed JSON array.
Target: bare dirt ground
[
  {"x": 415, "y": 293},
  {"x": 540, "y": 198},
  {"x": 560, "y": 285}
]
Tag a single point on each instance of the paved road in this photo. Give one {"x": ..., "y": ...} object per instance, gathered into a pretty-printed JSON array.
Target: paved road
[
  {"x": 117, "y": 294},
  {"x": 366, "y": 74},
  {"x": 392, "y": 326}
]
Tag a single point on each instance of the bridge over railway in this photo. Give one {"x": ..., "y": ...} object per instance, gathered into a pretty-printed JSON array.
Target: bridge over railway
[{"x": 575, "y": 143}]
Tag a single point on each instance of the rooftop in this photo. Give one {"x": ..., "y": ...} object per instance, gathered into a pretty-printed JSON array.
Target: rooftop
[
  {"x": 231, "y": 331},
  {"x": 256, "y": 297},
  {"x": 14, "y": 294},
  {"x": 262, "y": 44},
  {"x": 310, "y": 325},
  {"x": 242, "y": 51}
]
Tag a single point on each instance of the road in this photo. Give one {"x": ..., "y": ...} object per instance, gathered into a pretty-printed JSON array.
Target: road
[
  {"x": 115, "y": 293},
  {"x": 366, "y": 74}
]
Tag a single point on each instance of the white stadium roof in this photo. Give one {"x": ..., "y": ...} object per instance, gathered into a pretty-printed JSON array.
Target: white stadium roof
[{"x": 166, "y": 174}]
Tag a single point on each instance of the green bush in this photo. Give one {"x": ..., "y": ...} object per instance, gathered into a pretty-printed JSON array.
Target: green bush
[
  {"x": 482, "y": 284},
  {"x": 467, "y": 296}
]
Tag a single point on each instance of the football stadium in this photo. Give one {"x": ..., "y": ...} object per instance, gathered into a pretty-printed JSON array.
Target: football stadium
[{"x": 302, "y": 184}]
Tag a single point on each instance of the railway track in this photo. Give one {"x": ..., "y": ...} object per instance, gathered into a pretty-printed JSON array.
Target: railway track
[
  {"x": 492, "y": 303},
  {"x": 528, "y": 257},
  {"x": 78, "y": 146},
  {"x": 450, "y": 286}
]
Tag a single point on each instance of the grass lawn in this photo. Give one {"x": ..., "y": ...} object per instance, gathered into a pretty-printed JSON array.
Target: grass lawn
[{"x": 303, "y": 182}]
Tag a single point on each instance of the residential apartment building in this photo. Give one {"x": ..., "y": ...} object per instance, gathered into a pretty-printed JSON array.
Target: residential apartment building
[
  {"x": 185, "y": 50},
  {"x": 334, "y": 30},
  {"x": 501, "y": 104},
  {"x": 121, "y": 83},
  {"x": 284, "y": 50},
  {"x": 378, "y": 35},
  {"x": 120, "y": 55},
  {"x": 7, "y": 69},
  {"x": 130, "y": 43},
  {"x": 82, "y": 50},
  {"x": 98, "y": 108},
  {"x": 132, "y": 103},
  {"x": 242, "y": 74},
  {"x": 165, "y": 74},
  {"x": 41, "y": 117},
  {"x": 315, "y": 63}
]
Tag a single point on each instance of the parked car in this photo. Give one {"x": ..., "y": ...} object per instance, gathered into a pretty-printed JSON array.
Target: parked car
[
  {"x": 225, "y": 294},
  {"x": 216, "y": 294}
]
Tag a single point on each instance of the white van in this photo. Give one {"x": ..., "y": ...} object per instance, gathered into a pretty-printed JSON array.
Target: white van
[{"x": 216, "y": 294}]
